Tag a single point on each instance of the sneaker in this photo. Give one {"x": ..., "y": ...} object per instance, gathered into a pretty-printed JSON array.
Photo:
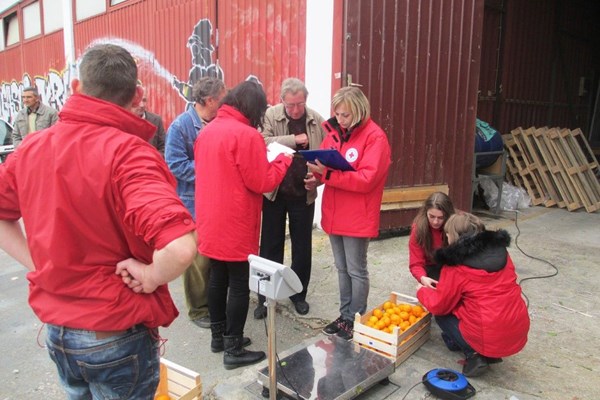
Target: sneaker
[
  {"x": 203, "y": 322},
  {"x": 260, "y": 312},
  {"x": 346, "y": 330},
  {"x": 476, "y": 365},
  {"x": 333, "y": 327}
]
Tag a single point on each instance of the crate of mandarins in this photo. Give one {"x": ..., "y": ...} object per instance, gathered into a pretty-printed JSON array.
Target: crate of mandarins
[{"x": 395, "y": 328}]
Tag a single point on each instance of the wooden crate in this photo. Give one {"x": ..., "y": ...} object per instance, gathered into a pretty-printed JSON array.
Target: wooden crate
[
  {"x": 178, "y": 382},
  {"x": 396, "y": 345}
]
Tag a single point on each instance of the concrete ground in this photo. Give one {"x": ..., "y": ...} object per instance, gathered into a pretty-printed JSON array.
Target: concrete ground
[{"x": 560, "y": 362}]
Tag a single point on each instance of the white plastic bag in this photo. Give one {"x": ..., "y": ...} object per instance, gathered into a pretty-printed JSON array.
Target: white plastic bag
[{"x": 513, "y": 198}]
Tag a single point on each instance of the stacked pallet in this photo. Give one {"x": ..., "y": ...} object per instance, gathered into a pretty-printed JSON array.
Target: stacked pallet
[{"x": 555, "y": 166}]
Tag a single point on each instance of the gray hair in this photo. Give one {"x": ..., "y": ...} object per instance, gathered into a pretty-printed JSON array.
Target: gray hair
[
  {"x": 293, "y": 85},
  {"x": 33, "y": 89},
  {"x": 206, "y": 87}
]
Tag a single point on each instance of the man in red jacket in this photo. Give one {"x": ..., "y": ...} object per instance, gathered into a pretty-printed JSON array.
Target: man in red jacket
[{"x": 105, "y": 233}]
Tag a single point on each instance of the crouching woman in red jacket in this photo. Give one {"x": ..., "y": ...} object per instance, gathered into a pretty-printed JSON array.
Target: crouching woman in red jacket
[{"x": 477, "y": 302}]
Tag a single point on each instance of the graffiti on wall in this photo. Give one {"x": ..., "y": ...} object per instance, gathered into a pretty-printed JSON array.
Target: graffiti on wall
[{"x": 53, "y": 89}]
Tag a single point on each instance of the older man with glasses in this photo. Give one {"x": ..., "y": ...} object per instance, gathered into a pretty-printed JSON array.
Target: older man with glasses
[{"x": 292, "y": 124}]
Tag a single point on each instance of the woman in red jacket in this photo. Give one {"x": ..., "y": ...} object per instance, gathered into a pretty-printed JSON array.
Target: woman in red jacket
[
  {"x": 426, "y": 236},
  {"x": 477, "y": 301},
  {"x": 232, "y": 173},
  {"x": 352, "y": 199}
]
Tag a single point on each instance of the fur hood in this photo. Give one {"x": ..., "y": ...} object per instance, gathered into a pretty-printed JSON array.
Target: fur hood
[{"x": 485, "y": 250}]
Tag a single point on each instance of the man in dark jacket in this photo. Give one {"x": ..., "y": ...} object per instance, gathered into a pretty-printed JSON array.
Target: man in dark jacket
[{"x": 158, "y": 140}]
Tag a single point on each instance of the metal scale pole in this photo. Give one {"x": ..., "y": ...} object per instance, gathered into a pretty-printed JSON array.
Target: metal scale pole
[{"x": 272, "y": 349}]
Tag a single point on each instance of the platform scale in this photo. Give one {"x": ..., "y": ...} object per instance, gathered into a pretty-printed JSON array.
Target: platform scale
[{"x": 330, "y": 368}]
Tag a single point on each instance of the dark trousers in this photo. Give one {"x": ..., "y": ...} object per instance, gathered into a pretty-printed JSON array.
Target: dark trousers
[
  {"x": 449, "y": 325},
  {"x": 229, "y": 294},
  {"x": 272, "y": 239}
]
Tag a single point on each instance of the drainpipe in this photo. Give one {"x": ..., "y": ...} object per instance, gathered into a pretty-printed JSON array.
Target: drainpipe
[{"x": 69, "y": 40}]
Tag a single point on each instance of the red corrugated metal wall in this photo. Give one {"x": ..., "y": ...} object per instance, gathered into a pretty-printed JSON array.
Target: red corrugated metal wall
[
  {"x": 418, "y": 63},
  {"x": 260, "y": 38}
]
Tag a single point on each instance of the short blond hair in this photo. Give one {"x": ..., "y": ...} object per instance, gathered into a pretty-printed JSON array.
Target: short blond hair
[{"x": 355, "y": 100}]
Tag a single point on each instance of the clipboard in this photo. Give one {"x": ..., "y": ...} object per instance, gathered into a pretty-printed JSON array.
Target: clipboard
[{"x": 330, "y": 158}]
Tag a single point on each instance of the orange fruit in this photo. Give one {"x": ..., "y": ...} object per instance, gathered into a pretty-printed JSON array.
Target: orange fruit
[
  {"x": 373, "y": 319},
  {"x": 412, "y": 319},
  {"x": 396, "y": 319},
  {"x": 380, "y": 325},
  {"x": 404, "y": 325},
  {"x": 378, "y": 313},
  {"x": 406, "y": 307},
  {"x": 417, "y": 311},
  {"x": 386, "y": 320},
  {"x": 404, "y": 315},
  {"x": 162, "y": 397},
  {"x": 387, "y": 305}
]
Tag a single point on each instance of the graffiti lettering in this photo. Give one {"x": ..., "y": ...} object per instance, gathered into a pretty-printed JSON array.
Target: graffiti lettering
[{"x": 53, "y": 90}]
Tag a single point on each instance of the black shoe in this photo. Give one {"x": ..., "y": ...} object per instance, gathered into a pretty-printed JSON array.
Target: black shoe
[
  {"x": 236, "y": 356},
  {"x": 450, "y": 344},
  {"x": 333, "y": 327},
  {"x": 492, "y": 360},
  {"x": 346, "y": 331},
  {"x": 302, "y": 307},
  {"x": 260, "y": 312},
  {"x": 476, "y": 365}
]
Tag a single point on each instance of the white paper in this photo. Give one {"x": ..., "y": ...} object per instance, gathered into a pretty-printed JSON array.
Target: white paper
[{"x": 274, "y": 149}]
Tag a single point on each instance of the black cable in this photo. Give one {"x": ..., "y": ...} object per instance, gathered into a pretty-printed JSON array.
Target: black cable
[
  {"x": 414, "y": 386},
  {"x": 533, "y": 258},
  {"x": 277, "y": 355}
]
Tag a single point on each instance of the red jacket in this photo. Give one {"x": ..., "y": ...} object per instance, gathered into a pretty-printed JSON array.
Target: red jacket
[
  {"x": 417, "y": 259},
  {"x": 92, "y": 193},
  {"x": 352, "y": 199},
  {"x": 478, "y": 285},
  {"x": 232, "y": 173}
]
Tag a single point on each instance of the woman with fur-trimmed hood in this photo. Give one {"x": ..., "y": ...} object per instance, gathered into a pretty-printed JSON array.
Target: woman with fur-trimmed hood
[{"x": 477, "y": 302}]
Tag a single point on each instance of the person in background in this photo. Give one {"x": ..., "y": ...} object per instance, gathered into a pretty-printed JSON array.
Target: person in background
[
  {"x": 352, "y": 199},
  {"x": 426, "y": 236},
  {"x": 183, "y": 131},
  {"x": 33, "y": 117},
  {"x": 232, "y": 173},
  {"x": 477, "y": 302},
  {"x": 294, "y": 125},
  {"x": 158, "y": 139},
  {"x": 105, "y": 233}
]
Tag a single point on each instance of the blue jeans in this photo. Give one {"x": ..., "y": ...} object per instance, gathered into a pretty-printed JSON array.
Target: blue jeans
[
  {"x": 350, "y": 256},
  {"x": 449, "y": 325},
  {"x": 125, "y": 366}
]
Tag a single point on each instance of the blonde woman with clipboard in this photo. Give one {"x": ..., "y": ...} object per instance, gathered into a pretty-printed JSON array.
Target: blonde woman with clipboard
[{"x": 352, "y": 199}]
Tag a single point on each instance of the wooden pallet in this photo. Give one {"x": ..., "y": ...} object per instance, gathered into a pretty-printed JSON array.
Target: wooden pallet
[
  {"x": 520, "y": 174},
  {"x": 569, "y": 197},
  {"x": 577, "y": 165},
  {"x": 525, "y": 139}
]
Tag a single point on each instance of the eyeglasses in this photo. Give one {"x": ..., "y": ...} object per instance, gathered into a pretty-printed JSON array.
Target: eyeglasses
[{"x": 291, "y": 106}]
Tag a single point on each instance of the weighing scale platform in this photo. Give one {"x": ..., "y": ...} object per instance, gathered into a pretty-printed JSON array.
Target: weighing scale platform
[{"x": 329, "y": 369}]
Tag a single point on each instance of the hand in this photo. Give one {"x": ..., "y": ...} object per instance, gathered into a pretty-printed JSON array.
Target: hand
[
  {"x": 136, "y": 276},
  {"x": 301, "y": 140},
  {"x": 317, "y": 168},
  {"x": 310, "y": 182},
  {"x": 428, "y": 282}
]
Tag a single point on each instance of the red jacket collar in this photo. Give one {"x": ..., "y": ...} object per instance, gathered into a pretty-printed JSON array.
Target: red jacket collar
[{"x": 82, "y": 108}]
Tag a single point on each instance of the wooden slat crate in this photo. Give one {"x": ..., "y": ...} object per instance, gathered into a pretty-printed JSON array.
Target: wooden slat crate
[
  {"x": 580, "y": 172},
  {"x": 561, "y": 178},
  {"x": 177, "y": 382},
  {"x": 397, "y": 345},
  {"x": 517, "y": 167}
]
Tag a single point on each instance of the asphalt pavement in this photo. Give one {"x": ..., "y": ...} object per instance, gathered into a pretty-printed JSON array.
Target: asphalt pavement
[{"x": 560, "y": 362}]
